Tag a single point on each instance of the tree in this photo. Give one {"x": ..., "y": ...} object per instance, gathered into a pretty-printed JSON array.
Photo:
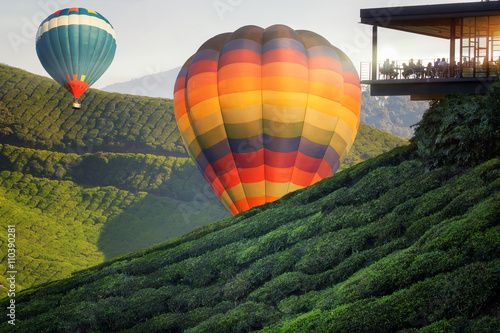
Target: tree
[{"x": 460, "y": 129}]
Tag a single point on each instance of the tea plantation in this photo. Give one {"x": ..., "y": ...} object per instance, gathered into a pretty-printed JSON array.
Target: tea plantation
[
  {"x": 87, "y": 185},
  {"x": 408, "y": 241}
]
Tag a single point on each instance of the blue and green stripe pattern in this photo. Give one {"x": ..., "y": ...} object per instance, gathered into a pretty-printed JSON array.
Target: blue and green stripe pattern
[{"x": 76, "y": 46}]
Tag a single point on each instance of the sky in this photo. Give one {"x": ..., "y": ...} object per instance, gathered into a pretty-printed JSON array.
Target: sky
[{"x": 157, "y": 35}]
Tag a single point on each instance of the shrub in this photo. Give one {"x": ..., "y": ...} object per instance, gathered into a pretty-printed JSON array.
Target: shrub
[{"x": 460, "y": 129}]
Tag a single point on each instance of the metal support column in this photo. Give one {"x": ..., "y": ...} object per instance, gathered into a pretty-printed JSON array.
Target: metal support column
[
  {"x": 374, "y": 53},
  {"x": 452, "y": 48}
]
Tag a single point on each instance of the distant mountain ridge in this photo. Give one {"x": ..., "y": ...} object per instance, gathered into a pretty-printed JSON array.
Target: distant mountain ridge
[
  {"x": 392, "y": 114},
  {"x": 153, "y": 85}
]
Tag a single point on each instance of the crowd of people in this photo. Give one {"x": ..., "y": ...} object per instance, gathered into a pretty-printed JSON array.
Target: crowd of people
[{"x": 440, "y": 68}]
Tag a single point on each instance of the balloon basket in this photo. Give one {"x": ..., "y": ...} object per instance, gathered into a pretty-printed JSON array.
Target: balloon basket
[{"x": 77, "y": 105}]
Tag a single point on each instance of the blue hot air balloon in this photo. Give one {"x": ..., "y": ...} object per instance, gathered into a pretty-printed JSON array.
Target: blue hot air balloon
[{"x": 75, "y": 46}]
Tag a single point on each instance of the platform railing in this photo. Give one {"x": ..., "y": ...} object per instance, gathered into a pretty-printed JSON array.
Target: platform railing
[
  {"x": 366, "y": 68},
  {"x": 465, "y": 70}
]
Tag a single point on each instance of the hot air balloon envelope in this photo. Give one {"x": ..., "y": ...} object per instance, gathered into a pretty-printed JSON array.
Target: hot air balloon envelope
[
  {"x": 75, "y": 46},
  {"x": 264, "y": 112}
]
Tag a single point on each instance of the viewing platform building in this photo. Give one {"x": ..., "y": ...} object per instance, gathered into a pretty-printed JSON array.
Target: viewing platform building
[{"x": 472, "y": 31}]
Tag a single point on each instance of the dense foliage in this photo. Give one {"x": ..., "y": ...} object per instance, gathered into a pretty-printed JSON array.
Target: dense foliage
[
  {"x": 386, "y": 245},
  {"x": 460, "y": 129},
  {"x": 393, "y": 114},
  {"x": 62, "y": 227},
  {"x": 41, "y": 195},
  {"x": 43, "y": 117},
  {"x": 6, "y": 120},
  {"x": 169, "y": 176},
  {"x": 96, "y": 193}
]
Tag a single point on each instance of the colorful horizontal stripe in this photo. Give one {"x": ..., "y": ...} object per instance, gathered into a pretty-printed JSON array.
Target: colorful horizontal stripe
[
  {"x": 73, "y": 17},
  {"x": 264, "y": 112},
  {"x": 75, "y": 46}
]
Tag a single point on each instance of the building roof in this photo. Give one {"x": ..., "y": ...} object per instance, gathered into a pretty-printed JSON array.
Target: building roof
[{"x": 430, "y": 20}]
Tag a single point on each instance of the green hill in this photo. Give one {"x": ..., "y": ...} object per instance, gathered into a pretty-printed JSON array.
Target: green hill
[
  {"x": 42, "y": 117},
  {"x": 399, "y": 243},
  {"x": 106, "y": 180}
]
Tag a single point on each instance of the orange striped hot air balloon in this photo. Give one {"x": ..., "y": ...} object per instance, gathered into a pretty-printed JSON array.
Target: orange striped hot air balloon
[{"x": 264, "y": 112}]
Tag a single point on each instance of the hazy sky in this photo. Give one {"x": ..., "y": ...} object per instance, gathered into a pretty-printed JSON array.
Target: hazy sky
[{"x": 157, "y": 35}]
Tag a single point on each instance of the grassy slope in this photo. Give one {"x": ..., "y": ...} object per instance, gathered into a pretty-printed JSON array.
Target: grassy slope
[
  {"x": 120, "y": 158},
  {"x": 43, "y": 118},
  {"x": 386, "y": 245},
  {"x": 55, "y": 208}
]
